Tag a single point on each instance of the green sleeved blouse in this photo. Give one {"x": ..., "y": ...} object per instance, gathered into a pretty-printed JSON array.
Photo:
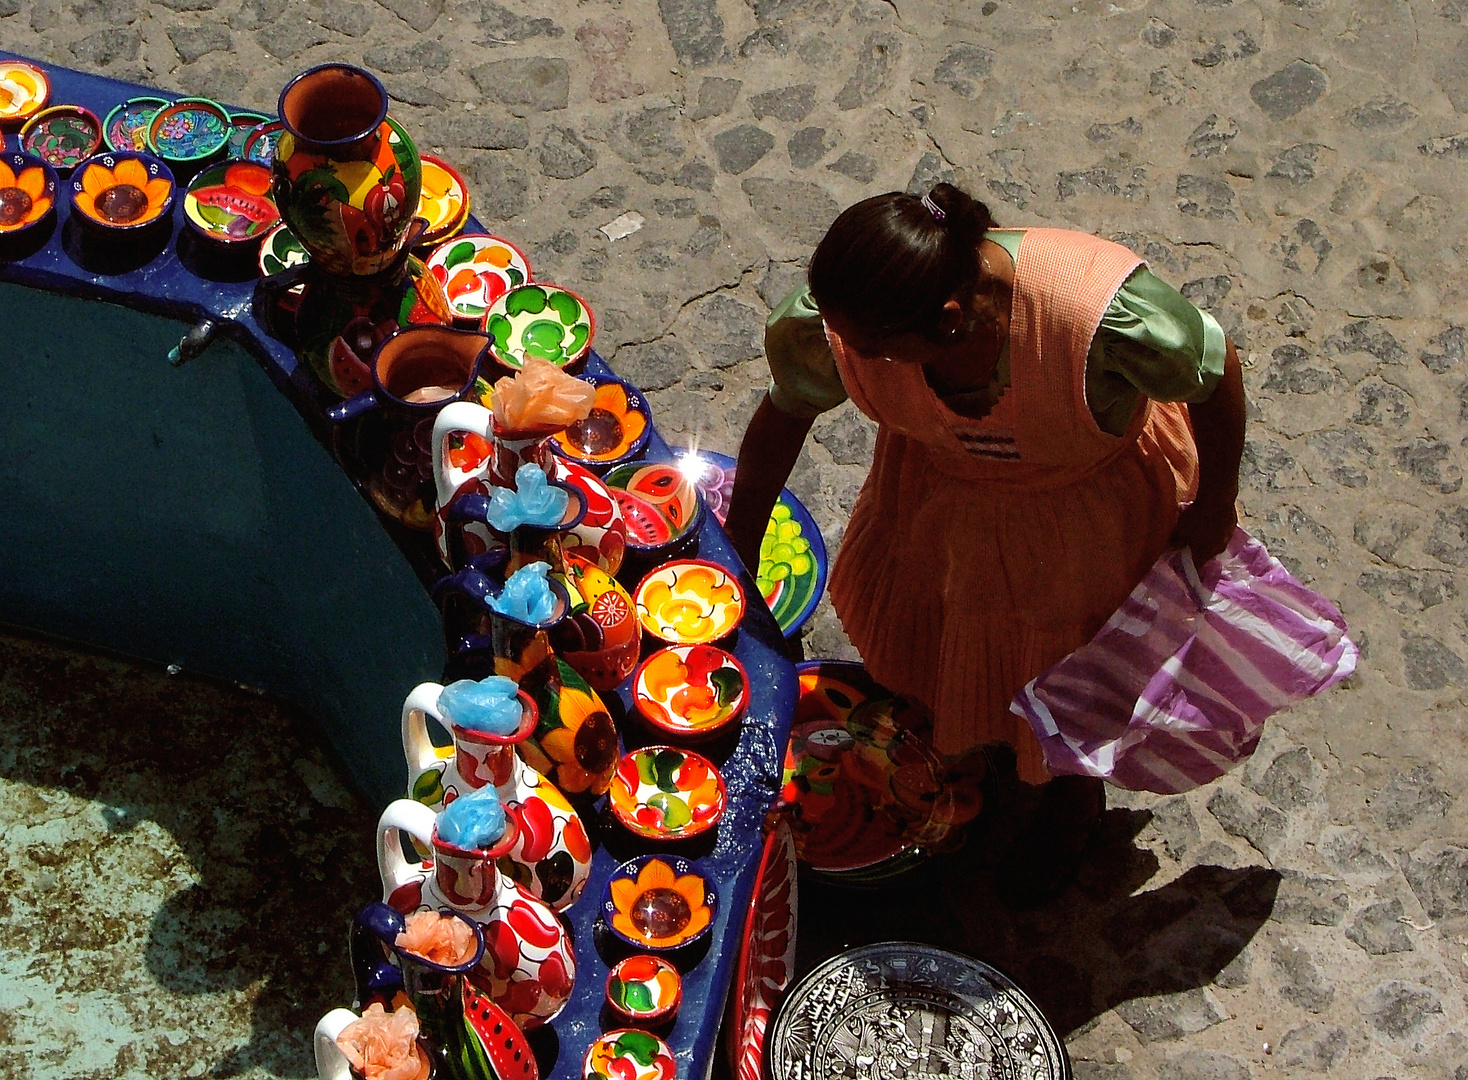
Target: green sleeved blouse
[{"x": 1151, "y": 342}]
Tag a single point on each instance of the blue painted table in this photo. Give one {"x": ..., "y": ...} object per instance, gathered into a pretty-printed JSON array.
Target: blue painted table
[{"x": 195, "y": 515}]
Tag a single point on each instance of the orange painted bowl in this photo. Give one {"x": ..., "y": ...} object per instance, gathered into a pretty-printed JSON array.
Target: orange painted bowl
[
  {"x": 663, "y": 793},
  {"x": 27, "y": 192},
  {"x": 657, "y": 903},
  {"x": 644, "y": 989},
  {"x": 616, "y": 431},
  {"x": 24, "y": 91},
  {"x": 62, "y": 135},
  {"x": 443, "y": 201},
  {"x": 660, "y": 503},
  {"x": 689, "y": 602},
  {"x": 691, "y": 692},
  {"x": 121, "y": 191},
  {"x": 629, "y": 1054},
  {"x": 230, "y": 203}
]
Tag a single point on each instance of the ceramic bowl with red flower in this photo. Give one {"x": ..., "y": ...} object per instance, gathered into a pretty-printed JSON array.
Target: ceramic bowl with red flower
[
  {"x": 475, "y": 270},
  {"x": 657, "y": 903},
  {"x": 121, "y": 191},
  {"x": 27, "y": 192},
  {"x": 616, "y": 431},
  {"x": 664, "y": 793},
  {"x": 690, "y": 692}
]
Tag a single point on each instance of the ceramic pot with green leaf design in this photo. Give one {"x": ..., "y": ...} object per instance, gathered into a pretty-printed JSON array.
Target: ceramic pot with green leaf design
[{"x": 540, "y": 321}]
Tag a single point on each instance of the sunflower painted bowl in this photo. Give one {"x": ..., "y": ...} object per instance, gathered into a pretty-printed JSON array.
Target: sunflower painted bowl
[
  {"x": 690, "y": 691},
  {"x": 189, "y": 132},
  {"x": 544, "y": 321},
  {"x": 24, "y": 90},
  {"x": 659, "y": 902},
  {"x": 27, "y": 192},
  {"x": 663, "y": 793},
  {"x": 126, "y": 126},
  {"x": 443, "y": 202},
  {"x": 628, "y": 1054},
  {"x": 644, "y": 989},
  {"x": 62, "y": 135},
  {"x": 660, "y": 504},
  {"x": 475, "y": 270},
  {"x": 121, "y": 191},
  {"x": 616, "y": 431},
  {"x": 260, "y": 143},
  {"x": 689, "y": 602},
  {"x": 280, "y": 250},
  {"x": 231, "y": 202}
]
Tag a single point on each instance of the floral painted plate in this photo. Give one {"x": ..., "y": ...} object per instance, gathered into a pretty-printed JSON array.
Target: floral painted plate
[
  {"x": 27, "y": 191},
  {"x": 616, "y": 431},
  {"x": 260, "y": 143},
  {"x": 189, "y": 131},
  {"x": 659, "y": 902},
  {"x": 544, "y": 321},
  {"x": 691, "y": 691},
  {"x": 644, "y": 990},
  {"x": 659, "y": 503},
  {"x": 126, "y": 126},
  {"x": 24, "y": 90},
  {"x": 444, "y": 201},
  {"x": 62, "y": 135},
  {"x": 766, "y": 953},
  {"x": 689, "y": 602},
  {"x": 280, "y": 250},
  {"x": 662, "y": 793},
  {"x": 476, "y": 269},
  {"x": 121, "y": 191},
  {"x": 230, "y": 202},
  {"x": 628, "y": 1054},
  {"x": 792, "y": 563},
  {"x": 241, "y": 123}
]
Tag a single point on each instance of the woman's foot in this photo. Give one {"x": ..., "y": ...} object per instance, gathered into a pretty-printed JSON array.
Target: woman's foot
[{"x": 1043, "y": 858}]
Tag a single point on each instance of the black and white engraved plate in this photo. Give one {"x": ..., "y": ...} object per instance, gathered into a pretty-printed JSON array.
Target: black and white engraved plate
[{"x": 899, "y": 1010}]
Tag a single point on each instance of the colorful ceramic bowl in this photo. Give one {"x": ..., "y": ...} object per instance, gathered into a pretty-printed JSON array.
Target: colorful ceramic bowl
[
  {"x": 690, "y": 691},
  {"x": 476, "y": 269},
  {"x": 660, "y": 504},
  {"x": 241, "y": 123},
  {"x": 62, "y": 135},
  {"x": 663, "y": 793},
  {"x": 260, "y": 142},
  {"x": 27, "y": 192},
  {"x": 644, "y": 990},
  {"x": 24, "y": 90},
  {"x": 444, "y": 201},
  {"x": 121, "y": 191},
  {"x": 544, "y": 321},
  {"x": 616, "y": 431},
  {"x": 280, "y": 250},
  {"x": 659, "y": 902},
  {"x": 231, "y": 203},
  {"x": 629, "y": 1055},
  {"x": 689, "y": 602},
  {"x": 189, "y": 132},
  {"x": 126, "y": 126}
]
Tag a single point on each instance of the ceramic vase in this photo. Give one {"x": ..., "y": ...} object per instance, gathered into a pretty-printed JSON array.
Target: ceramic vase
[
  {"x": 529, "y": 963},
  {"x": 552, "y": 857}
]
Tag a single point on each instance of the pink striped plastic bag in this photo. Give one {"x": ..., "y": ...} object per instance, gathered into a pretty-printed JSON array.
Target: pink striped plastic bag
[{"x": 1175, "y": 688}]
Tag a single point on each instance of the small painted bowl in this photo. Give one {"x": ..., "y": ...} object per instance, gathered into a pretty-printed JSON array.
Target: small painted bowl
[
  {"x": 476, "y": 269},
  {"x": 260, "y": 143},
  {"x": 691, "y": 692},
  {"x": 628, "y": 1054},
  {"x": 660, "y": 504},
  {"x": 659, "y": 902},
  {"x": 443, "y": 203},
  {"x": 189, "y": 132},
  {"x": 663, "y": 793},
  {"x": 62, "y": 135},
  {"x": 689, "y": 602},
  {"x": 616, "y": 431},
  {"x": 241, "y": 123},
  {"x": 24, "y": 91},
  {"x": 230, "y": 202},
  {"x": 280, "y": 250},
  {"x": 644, "y": 990},
  {"x": 544, "y": 321},
  {"x": 27, "y": 192},
  {"x": 120, "y": 191},
  {"x": 126, "y": 126}
]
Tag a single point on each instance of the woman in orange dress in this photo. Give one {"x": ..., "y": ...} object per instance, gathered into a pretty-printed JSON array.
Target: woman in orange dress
[{"x": 1045, "y": 409}]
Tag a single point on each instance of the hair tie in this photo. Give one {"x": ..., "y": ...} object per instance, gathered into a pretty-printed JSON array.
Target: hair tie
[{"x": 933, "y": 208}]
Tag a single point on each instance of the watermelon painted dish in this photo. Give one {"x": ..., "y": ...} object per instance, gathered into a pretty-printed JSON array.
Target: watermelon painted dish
[
  {"x": 660, "y": 504},
  {"x": 231, "y": 203}
]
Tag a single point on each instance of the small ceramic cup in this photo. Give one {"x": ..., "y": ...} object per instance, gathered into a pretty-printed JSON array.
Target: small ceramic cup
[
  {"x": 644, "y": 990},
  {"x": 28, "y": 90}
]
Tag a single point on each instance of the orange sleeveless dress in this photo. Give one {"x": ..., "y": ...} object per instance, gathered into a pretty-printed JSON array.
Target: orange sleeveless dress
[{"x": 980, "y": 552}]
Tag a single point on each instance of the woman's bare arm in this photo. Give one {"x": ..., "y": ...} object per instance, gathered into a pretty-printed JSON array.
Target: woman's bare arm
[
  {"x": 1218, "y": 430},
  {"x": 771, "y": 445}
]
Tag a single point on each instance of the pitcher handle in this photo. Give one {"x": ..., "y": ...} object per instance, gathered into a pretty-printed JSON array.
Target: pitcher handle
[
  {"x": 457, "y": 416},
  {"x": 331, "y": 1063},
  {"x": 410, "y": 817},
  {"x": 418, "y": 748}
]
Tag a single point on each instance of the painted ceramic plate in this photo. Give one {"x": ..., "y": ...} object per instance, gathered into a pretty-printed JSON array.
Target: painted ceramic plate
[
  {"x": 230, "y": 202},
  {"x": 691, "y": 691},
  {"x": 241, "y": 123},
  {"x": 629, "y": 1055},
  {"x": 659, "y": 502},
  {"x": 189, "y": 131},
  {"x": 792, "y": 563},
  {"x": 659, "y": 902},
  {"x": 766, "y": 954},
  {"x": 62, "y": 135},
  {"x": 121, "y": 190},
  {"x": 444, "y": 201},
  {"x": 27, "y": 191},
  {"x": 24, "y": 90},
  {"x": 126, "y": 127},
  {"x": 260, "y": 143},
  {"x": 616, "y": 431},
  {"x": 899, "y": 1008},
  {"x": 280, "y": 250},
  {"x": 663, "y": 793},
  {"x": 476, "y": 269},
  {"x": 689, "y": 602},
  {"x": 544, "y": 321},
  {"x": 644, "y": 989}
]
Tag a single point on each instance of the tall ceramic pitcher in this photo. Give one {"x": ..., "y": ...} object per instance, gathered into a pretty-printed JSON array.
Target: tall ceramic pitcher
[{"x": 552, "y": 857}]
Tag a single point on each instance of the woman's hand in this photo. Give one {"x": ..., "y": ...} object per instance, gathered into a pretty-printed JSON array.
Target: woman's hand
[
  {"x": 1205, "y": 529},
  {"x": 771, "y": 444},
  {"x": 1218, "y": 430}
]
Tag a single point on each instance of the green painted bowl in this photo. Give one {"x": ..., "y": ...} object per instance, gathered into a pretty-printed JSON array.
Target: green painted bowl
[{"x": 542, "y": 321}]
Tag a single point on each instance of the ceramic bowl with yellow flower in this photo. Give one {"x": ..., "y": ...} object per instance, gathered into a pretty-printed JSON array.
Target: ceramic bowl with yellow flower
[
  {"x": 443, "y": 202},
  {"x": 691, "y": 692},
  {"x": 689, "y": 602},
  {"x": 629, "y": 1054},
  {"x": 121, "y": 191},
  {"x": 656, "y": 903},
  {"x": 663, "y": 793},
  {"x": 616, "y": 430},
  {"x": 27, "y": 192}
]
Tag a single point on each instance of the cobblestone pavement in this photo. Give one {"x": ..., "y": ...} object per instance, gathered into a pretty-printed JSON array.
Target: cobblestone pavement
[{"x": 1295, "y": 166}]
